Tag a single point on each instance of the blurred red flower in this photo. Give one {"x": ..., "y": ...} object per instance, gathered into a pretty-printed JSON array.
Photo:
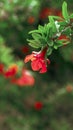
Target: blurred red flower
[
  {"x": 38, "y": 60},
  {"x": 58, "y": 13},
  {"x": 69, "y": 88},
  {"x": 64, "y": 38},
  {"x": 31, "y": 20},
  {"x": 45, "y": 13},
  {"x": 12, "y": 70},
  {"x": 38, "y": 105},
  {"x": 1, "y": 68},
  {"x": 25, "y": 49},
  {"x": 26, "y": 79}
]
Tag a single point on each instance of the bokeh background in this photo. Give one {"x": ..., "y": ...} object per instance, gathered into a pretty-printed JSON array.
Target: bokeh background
[{"x": 29, "y": 100}]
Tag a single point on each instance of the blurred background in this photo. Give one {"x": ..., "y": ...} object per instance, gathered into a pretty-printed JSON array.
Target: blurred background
[{"x": 29, "y": 100}]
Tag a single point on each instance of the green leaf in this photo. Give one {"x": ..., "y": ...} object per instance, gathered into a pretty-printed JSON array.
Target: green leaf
[
  {"x": 51, "y": 20},
  {"x": 63, "y": 23},
  {"x": 52, "y": 26},
  {"x": 50, "y": 43},
  {"x": 34, "y": 31},
  {"x": 57, "y": 17},
  {"x": 40, "y": 28},
  {"x": 60, "y": 43},
  {"x": 64, "y": 11},
  {"x": 55, "y": 47},
  {"x": 49, "y": 51},
  {"x": 43, "y": 41},
  {"x": 36, "y": 36},
  {"x": 34, "y": 44}
]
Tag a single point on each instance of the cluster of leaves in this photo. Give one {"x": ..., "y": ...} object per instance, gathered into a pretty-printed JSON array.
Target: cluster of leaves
[{"x": 49, "y": 34}]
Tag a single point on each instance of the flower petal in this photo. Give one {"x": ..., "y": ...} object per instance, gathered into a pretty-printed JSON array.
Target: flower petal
[
  {"x": 44, "y": 68},
  {"x": 28, "y": 58},
  {"x": 25, "y": 81},
  {"x": 36, "y": 64}
]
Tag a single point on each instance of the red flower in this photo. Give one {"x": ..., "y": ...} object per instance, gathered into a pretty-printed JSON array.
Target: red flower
[
  {"x": 12, "y": 70},
  {"x": 1, "y": 68},
  {"x": 38, "y": 61},
  {"x": 31, "y": 20},
  {"x": 25, "y": 80},
  {"x": 25, "y": 49},
  {"x": 38, "y": 105},
  {"x": 63, "y": 37},
  {"x": 45, "y": 13},
  {"x": 58, "y": 13},
  {"x": 69, "y": 88}
]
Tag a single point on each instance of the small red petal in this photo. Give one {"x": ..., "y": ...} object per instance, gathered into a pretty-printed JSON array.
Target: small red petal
[
  {"x": 28, "y": 58},
  {"x": 25, "y": 81},
  {"x": 7, "y": 74}
]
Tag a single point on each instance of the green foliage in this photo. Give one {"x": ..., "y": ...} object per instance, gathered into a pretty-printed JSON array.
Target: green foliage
[
  {"x": 17, "y": 110},
  {"x": 65, "y": 12},
  {"x": 48, "y": 34}
]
